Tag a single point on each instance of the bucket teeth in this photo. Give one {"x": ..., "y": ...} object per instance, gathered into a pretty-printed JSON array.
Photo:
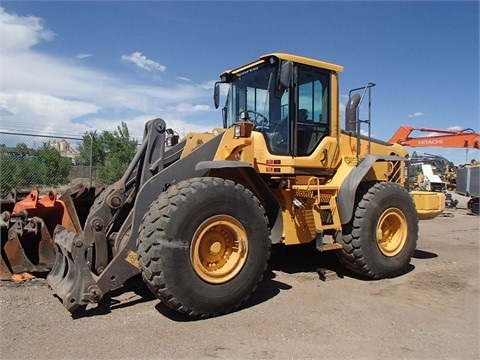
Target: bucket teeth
[{"x": 70, "y": 277}]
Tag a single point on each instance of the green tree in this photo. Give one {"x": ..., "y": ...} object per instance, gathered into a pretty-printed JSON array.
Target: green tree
[
  {"x": 25, "y": 168},
  {"x": 54, "y": 167},
  {"x": 111, "y": 152},
  {"x": 91, "y": 146}
]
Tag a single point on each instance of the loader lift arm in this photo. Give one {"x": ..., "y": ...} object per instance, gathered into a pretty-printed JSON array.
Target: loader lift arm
[
  {"x": 466, "y": 138},
  {"x": 83, "y": 272}
]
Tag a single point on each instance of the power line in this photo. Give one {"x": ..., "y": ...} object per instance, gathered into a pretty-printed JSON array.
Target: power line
[{"x": 40, "y": 135}]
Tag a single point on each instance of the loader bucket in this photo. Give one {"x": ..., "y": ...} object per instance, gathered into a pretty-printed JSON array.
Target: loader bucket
[{"x": 28, "y": 246}]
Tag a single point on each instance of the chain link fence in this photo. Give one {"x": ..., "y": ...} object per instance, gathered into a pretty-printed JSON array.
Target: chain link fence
[{"x": 43, "y": 162}]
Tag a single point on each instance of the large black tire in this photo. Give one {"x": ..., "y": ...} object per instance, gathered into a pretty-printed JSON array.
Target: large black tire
[
  {"x": 473, "y": 205},
  {"x": 203, "y": 246},
  {"x": 382, "y": 235}
]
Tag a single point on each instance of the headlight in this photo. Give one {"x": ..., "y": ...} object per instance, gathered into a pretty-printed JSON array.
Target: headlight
[
  {"x": 243, "y": 130},
  {"x": 237, "y": 131}
]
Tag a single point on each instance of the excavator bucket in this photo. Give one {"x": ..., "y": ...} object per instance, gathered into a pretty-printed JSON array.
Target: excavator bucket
[
  {"x": 28, "y": 224},
  {"x": 29, "y": 246},
  {"x": 49, "y": 208},
  {"x": 5, "y": 270}
]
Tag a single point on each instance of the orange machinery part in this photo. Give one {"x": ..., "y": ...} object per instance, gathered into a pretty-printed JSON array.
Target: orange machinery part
[
  {"x": 448, "y": 138},
  {"x": 27, "y": 244},
  {"x": 50, "y": 209}
]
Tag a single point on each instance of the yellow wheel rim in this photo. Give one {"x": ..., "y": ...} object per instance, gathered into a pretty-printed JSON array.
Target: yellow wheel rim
[
  {"x": 392, "y": 232},
  {"x": 219, "y": 249}
]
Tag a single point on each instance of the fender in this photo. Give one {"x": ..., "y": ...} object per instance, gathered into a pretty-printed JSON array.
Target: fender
[
  {"x": 255, "y": 183},
  {"x": 346, "y": 193}
]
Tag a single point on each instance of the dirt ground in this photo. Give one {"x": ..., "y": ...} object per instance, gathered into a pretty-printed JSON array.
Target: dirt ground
[{"x": 431, "y": 312}]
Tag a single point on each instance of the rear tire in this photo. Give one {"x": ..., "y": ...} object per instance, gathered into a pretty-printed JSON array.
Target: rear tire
[
  {"x": 203, "y": 246},
  {"x": 382, "y": 235}
]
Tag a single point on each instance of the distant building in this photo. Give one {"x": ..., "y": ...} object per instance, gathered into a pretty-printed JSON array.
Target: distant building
[{"x": 64, "y": 148}]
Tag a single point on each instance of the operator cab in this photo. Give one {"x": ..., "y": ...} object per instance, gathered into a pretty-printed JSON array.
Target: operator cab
[{"x": 288, "y": 101}]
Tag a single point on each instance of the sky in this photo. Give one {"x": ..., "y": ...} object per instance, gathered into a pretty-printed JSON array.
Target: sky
[{"x": 70, "y": 67}]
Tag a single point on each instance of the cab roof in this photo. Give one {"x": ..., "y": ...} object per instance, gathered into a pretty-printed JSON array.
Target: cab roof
[{"x": 288, "y": 57}]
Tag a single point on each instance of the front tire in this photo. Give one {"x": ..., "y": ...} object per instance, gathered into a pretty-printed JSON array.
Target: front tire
[
  {"x": 380, "y": 239},
  {"x": 203, "y": 246}
]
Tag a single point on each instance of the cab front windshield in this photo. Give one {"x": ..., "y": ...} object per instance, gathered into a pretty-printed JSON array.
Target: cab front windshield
[{"x": 252, "y": 91}]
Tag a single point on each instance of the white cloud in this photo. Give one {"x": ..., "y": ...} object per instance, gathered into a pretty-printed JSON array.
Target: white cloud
[
  {"x": 455, "y": 128},
  {"x": 20, "y": 33},
  {"x": 141, "y": 61},
  {"x": 184, "y": 107},
  {"x": 436, "y": 133},
  {"x": 209, "y": 85},
  {"x": 416, "y": 114},
  {"x": 364, "y": 132},
  {"x": 6, "y": 108},
  {"x": 83, "y": 56},
  {"x": 41, "y": 104},
  {"x": 42, "y": 94}
]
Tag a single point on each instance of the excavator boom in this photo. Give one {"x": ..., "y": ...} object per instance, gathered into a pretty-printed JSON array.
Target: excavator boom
[{"x": 466, "y": 138}]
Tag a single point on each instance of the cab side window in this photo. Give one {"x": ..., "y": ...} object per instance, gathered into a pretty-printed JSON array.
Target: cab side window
[{"x": 313, "y": 109}]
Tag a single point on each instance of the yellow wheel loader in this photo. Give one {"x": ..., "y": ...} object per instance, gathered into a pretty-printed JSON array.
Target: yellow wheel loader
[{"x": 198, "y": 220}]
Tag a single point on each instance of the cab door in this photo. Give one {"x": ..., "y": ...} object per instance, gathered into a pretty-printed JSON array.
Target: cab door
[{"x": 311, "y": 110}]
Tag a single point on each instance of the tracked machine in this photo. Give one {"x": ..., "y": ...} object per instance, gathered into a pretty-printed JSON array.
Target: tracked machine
[{"x": 198, "y": 220}]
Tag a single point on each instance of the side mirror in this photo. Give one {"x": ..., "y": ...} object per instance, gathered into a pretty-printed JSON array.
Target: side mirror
[
  {"x": 284, "y": 78},
  {"x": 216, "y": 95}
]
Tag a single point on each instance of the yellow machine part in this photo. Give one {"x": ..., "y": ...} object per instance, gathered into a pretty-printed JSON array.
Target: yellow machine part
[{"x": 429, "y": 204}]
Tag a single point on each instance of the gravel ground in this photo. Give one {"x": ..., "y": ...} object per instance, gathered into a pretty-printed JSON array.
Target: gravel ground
[{"x": 431, "y": 312}]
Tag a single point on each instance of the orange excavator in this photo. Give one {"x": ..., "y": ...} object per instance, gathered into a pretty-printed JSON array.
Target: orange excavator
[
  {"x": 467, "y": 177},
  {"x": 466, "y": 138}
]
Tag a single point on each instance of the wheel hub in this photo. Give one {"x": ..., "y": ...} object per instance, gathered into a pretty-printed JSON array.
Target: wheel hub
[
  {"x": 219, "y": 249},
  {"x": 392, "y": 232}
]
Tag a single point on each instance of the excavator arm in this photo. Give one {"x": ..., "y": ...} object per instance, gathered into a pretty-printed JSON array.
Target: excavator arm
[{"x": 466, "y": 138}]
